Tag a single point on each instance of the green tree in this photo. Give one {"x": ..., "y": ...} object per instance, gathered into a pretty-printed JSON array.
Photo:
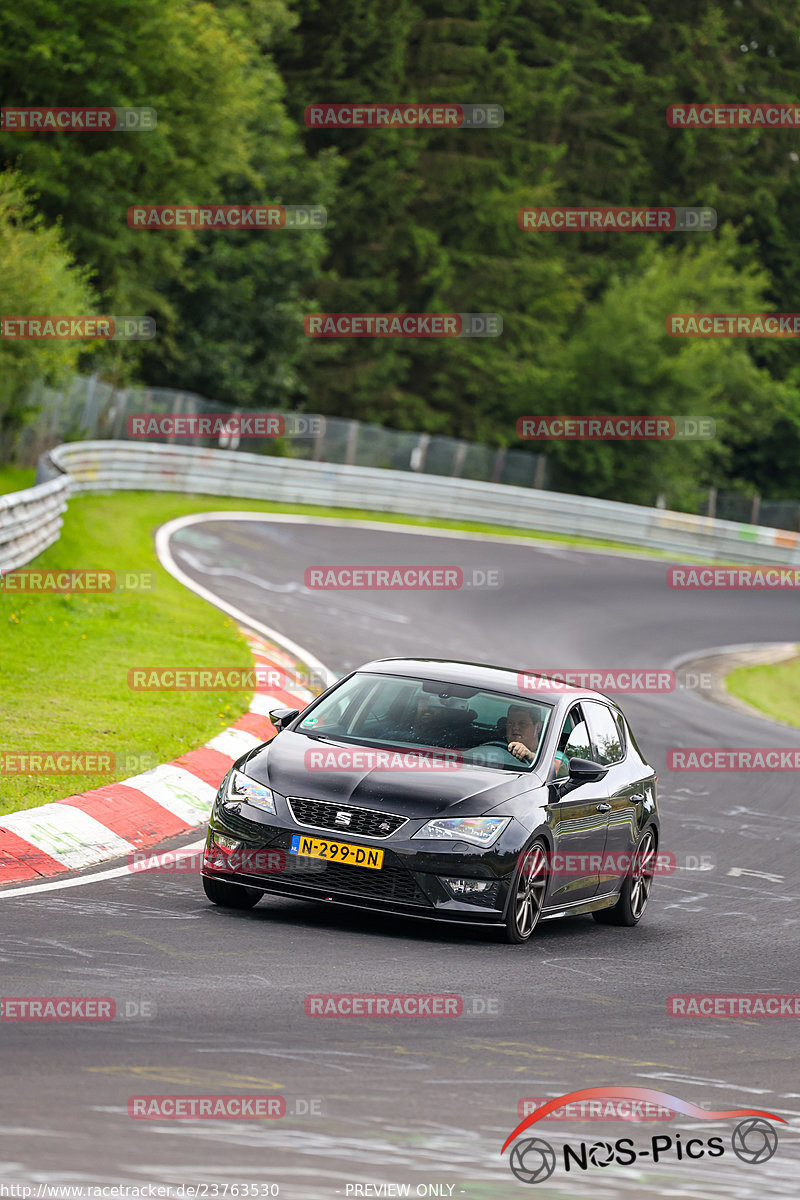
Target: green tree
[
  {"x": 621, "y": 360},
  {"x": 221, "y": 137},
  {"x": 38, "y": 276},
  {"x": 426, "y": 219}
]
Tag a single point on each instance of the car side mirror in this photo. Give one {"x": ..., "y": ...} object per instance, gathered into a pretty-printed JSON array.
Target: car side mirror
[
  {"x": 583, "y": 770},
  {"x": 281, "y": 717}
]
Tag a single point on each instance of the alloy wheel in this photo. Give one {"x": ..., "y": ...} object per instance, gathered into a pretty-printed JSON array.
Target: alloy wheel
[
  {"x": 643, "y": 867},
  {"x": 529, "y": 897}
]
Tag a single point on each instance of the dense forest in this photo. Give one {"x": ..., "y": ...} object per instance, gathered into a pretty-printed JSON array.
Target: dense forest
[{"x": 420, "y": 219}]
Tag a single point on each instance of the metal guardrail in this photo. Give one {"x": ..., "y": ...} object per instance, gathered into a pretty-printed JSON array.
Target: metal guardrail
[
  {"x": 85, "y": 409},
  {"x": 30, "y": 521},
  {"x": 105, "y": 466}
]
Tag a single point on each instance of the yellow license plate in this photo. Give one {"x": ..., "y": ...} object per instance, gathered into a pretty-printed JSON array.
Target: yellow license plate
[{"x": 356, "y": 856}]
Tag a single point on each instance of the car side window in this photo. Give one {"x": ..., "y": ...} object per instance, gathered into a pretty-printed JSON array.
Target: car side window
[
  {"x": 605, "y": 733},
  {"x": 573, "y": 743}
]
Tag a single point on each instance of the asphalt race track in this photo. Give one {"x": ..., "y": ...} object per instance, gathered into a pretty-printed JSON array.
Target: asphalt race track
[{"x": 429, "y": 1102}]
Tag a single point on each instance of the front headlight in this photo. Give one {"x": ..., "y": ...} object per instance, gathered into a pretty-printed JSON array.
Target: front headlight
[
  {"x": 481, "y": 831},
  {"x": 242, "y": 787}
]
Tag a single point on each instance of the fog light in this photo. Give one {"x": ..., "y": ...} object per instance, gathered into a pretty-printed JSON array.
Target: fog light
[
  {"x": 226, "y": 843},
  {"x": 218, "y": 849},
  {"x": 468, "y": 887}
]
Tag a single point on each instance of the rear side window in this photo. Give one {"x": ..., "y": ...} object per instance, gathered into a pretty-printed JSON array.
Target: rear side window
[{"x": 605, "y": 733}]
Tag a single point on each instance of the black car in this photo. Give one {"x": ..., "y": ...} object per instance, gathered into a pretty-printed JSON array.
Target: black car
[{"x": 445, "y": 790}]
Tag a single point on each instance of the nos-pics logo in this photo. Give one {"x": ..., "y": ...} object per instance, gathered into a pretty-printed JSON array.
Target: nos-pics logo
[{"x": 532, "y": 1160}]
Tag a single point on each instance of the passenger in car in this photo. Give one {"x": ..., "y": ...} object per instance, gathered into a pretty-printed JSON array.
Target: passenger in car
[{"x": 436, "y": 721}]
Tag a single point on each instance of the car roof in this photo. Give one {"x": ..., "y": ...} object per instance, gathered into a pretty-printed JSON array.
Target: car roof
[{"x": 498, "y": 679}]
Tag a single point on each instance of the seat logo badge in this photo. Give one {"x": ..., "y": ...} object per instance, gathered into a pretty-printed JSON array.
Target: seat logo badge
[{"x": 343, "y": 817}]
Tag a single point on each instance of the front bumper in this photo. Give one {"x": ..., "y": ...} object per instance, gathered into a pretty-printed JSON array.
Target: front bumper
[{"x": 412, "y": 879}]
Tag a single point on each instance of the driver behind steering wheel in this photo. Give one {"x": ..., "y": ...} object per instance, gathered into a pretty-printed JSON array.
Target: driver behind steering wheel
[{"x": 523, "y": 732}]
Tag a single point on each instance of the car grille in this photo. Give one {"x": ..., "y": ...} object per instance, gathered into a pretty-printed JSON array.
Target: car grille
[
  {"x": 364, "y": 821},
  {"x": 391, "y": 882}
]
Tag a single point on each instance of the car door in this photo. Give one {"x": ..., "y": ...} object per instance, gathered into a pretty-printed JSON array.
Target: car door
[
  {"x": 626, "y": 789},
  {"x": 580, "y": 817}
]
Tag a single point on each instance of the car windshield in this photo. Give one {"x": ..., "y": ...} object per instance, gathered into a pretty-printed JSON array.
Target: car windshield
[{"x": 485, "y": 728}]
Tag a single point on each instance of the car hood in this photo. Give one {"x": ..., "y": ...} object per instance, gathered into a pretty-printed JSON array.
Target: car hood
[{"x": 463, "y": 790}]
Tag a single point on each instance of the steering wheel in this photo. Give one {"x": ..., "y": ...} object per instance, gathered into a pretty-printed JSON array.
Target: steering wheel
[
  {"x": 494, "y": 744},
  {"x": 526, "y": 762}
]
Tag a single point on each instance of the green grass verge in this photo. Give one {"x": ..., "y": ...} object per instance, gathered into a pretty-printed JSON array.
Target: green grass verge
[
  {"x": 16, "y": 479},
  {"x": 774, "y": 689},
  {"x": 64, "y": 659}
]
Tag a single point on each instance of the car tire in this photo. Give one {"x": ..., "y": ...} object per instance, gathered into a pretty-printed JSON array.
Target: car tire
[
  {"x": 635, "y": 891},
  {"x": 528, "y": 891},
  {"x": 230, "y": 895}
]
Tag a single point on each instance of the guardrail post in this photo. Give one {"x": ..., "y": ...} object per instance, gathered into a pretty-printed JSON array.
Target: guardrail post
[
  {"x": 120, "y": 411},
  {"x": 350, "y": 448},
  {"x": 498, "y": 464},
  {"x": 459, "y": 459},
  {"x": 416, "y": 460},
  {"x": 56, "y": 412},
  {"x": 318, "y": 445},
  {"x": 711, "y": 506}
]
